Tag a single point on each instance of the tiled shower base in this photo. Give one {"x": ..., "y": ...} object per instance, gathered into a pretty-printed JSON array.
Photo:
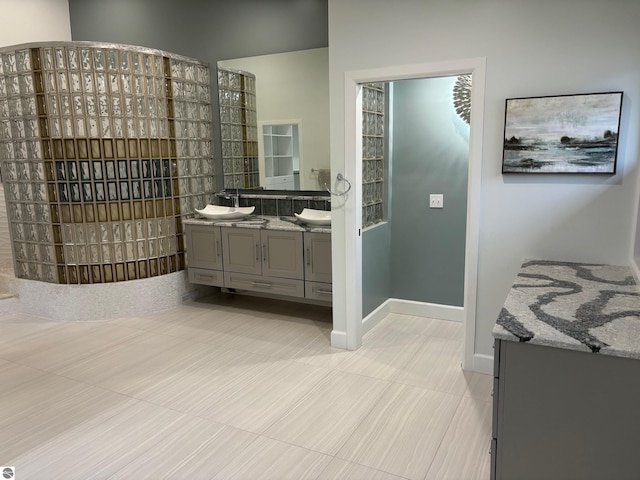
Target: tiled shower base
[{"x": 103, "y": 301}]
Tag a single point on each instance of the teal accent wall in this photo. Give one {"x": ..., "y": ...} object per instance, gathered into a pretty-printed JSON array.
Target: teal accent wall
[
  {"x": 430, "y": 152},
  {"x": 376, "y": 267}
]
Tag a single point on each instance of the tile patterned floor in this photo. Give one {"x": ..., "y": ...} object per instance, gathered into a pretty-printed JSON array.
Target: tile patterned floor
[{"x": 233, "y": 387}]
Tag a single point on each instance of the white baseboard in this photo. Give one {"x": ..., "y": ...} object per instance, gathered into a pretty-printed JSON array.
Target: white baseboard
[
  {"x": 376, "y": 316},
  {"x": 339, "y": 339},
  {"x": 429, "y": 310},
  {"x": 482, "y": 363}
]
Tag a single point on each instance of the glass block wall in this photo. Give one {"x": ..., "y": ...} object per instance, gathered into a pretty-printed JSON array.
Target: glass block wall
[
  {"x": 104, "y": 149},
  {"x": 373, "y": 107},
  {"x": 239, "y": 128}
]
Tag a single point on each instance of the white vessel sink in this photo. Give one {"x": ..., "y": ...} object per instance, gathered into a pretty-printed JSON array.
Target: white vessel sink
[
  {"x": 314, "y": 217},
  {"x": 218, "y": 212}
]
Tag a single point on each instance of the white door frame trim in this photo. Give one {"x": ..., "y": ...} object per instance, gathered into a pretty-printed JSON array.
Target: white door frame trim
[{"x": 348, "y": 276}]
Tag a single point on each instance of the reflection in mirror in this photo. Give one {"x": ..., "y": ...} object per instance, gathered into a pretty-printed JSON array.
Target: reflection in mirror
[
  {"x": 291, "y": 96},
  {"x": 238, "y": 131}
]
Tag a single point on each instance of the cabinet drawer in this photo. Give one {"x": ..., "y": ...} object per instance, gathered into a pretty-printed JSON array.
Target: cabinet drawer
[
  {"x": 318, "y": 291},
  {"x": 259, "y": 283},
  {"x": 206, "y": 277}
]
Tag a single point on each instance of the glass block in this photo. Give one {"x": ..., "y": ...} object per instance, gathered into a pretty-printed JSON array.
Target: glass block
[
  {"x": 103, "y": 105},
  {"x": 87, "y": 192},
  {"x": 39, "y": 193},
  {"x": 5, "y": 134},
  {"x": 114, "y": 83},
  {"x": 94, "y": 254},
  {"x": 105, "y": 127},
  {"x": 48, "y": 58},
  {"x": 112, "y": 191},
  {"x": 12, "y": 191},
  {"x": 98, "y": 59},
  {"x": 9, "y": 63},
  {"x": 100, "y": 193},
  {"x": 131, "y": 128},
  {"x": 12, "y": 85},
  {"x": 70, "y": 254},
  {"x": 107, "y": 255},
  {"x": 112, "y": 59},
  {"x": 75, "y": 82},
  {"x": 87, "y": 82},
  {"x": 125, "y": 61},
  {"x": 138, "y": 85},
  {"x": 15, "y": 107},
  {"x": 42, "y": 214},
  {"x": 17, "y": 131},
  {"x": 85, "y": 58},
  {"x": 26, "y": 84},
  {"x": 126, "y": 84},
  {"x": 118, "y": 253},
  {"x": 67, "y": 127},
  {"x": 141, "y": 106},
  {"x": 25, "y": 193}
]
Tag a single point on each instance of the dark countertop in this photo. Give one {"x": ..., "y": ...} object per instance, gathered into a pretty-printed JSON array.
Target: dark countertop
[{"x": 263, "y": 222}]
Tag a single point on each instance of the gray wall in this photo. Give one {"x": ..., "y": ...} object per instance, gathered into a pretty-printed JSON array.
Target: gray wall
[
  {"x": 430, "y": 155},
  {"x": 207, "y": 30}
]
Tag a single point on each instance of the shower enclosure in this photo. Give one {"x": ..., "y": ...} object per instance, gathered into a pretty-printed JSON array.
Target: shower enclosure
[{"x": 104, "y": 150}]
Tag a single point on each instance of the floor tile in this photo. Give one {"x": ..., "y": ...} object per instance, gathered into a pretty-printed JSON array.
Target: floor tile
[
  {"x": 340, "y": 469},
  {"x": 98, "y": 448},
  {"x": 464, "y": 452},
  {"x": 196, "y": 449},
  {"x": 324, "y": 419},
  {"x": 254, "y": 400},
  {"x": 402, "y": 433},
  {"x": 269, "y": 459},
  {"x": 118, "y": 367},
  {"x": 436, "y": 366},
  {"x": 53, "y": 416}
]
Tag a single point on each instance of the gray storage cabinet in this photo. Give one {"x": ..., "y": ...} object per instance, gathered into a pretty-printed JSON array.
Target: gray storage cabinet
[{"x": 564, "y": 414}]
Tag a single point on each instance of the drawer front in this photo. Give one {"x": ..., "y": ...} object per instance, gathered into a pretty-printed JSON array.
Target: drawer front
[
  {"x": 318, "y": 291},
  {"x": 259, "y": 283},
  {"x": 206, "y": 277}
]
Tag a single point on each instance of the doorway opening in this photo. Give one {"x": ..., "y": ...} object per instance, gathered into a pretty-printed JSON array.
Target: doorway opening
[{"x": 348, "y": 311}]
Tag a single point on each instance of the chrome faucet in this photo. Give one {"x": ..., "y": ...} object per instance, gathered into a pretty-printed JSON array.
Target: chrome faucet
[{"x": 235, "y": 196}]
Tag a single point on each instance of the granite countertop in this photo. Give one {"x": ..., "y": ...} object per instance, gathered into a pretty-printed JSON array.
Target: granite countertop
[
  {"x": 262, "y": 221},
  {"x": 586, "y": 307}
]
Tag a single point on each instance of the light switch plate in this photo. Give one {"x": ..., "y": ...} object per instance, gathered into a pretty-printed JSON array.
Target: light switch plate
[{"x": 436, "y": 200}]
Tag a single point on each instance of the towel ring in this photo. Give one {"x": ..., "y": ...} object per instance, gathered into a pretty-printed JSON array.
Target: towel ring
[{"x": 339, "y": 178}]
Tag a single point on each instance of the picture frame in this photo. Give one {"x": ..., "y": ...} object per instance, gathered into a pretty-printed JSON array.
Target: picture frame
[{"x": 562, "y": 134}]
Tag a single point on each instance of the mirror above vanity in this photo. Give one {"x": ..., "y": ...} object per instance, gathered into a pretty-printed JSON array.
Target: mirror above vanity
[{"x": 291, "y": 121}]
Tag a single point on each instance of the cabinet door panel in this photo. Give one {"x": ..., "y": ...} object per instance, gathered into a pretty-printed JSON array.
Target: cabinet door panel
[
  {"x": 204, "y": 249},
  {"x": 241, "y": 248},
  {"x": 317, "y": 251},
  {"x": 282, "y": 254}
]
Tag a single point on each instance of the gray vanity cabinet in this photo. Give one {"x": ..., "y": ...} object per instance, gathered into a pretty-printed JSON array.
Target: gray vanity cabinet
[
  {"x": 317, "y": 266},
  {"x": 263, "y": 260},
  {"x": 563, "y": 414},
  {"x": 204, "y": 254},
  {"x": 242, "y": 250}
]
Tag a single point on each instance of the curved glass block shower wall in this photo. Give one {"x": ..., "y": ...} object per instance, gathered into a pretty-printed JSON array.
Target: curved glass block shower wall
[{"x": 105, "y": 149}]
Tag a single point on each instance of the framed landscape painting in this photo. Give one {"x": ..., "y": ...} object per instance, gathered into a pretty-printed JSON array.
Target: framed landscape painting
[{"x": 562, "y": 134}]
